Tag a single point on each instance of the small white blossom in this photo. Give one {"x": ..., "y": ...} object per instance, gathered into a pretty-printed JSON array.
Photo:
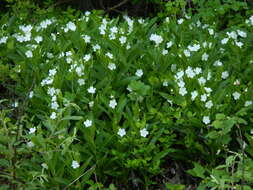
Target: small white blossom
[
  {"x": 203, "y": 97},
  {"x": 108, "y": 54},
  {"x": 195, "y": 47},
  {"x": 121, "y": 132},
  {"x": 112, "y": 103},
  {"x": 156, "y": 38},
  {"x": 54, "y": 105},
  {"x": 236, "y": 95},
  {"x": 91, "y": 104},
  {"x": 81, "y": 82},
  {"x": 31, "y": 94},
  {"x": 53, "y": 115},
  {"x": 247, "y": 103},
  {"x": 224, "y": 75},
  {"x": 190, "y": 72},
  {"x": 91, "y": 90},
  {"x": 224, "y": 40},
  {"x": 165, "y": 52},
  {"x": 75, "y": 164},
  {"x": 32, "y": 130},
  {"x": 86, "y": 38},
  {"x": 187, "y": 53},
  {"x": 211, "y": 31},
  {"x": 71, "y": 26},
  {"x": 204, "y": 57},
  {"x": 87, "y": 57},
  {"x": 139, "y": 73},
  {"x": 30, "y": 144},
  {"x": 206, "y": 120},
  {"x": 218, "y": 63},
  {"x": 180, "y": 21},
  {"x": 87, "y": 123},
  {"x": 165, "y": 83},
  {"x": 144, "y": 132},
  {"x": 122, "y": 40},
  {"x": 169, "y": 44},
  {"x": 111, "y": 66},
  {"x": 209, "y": 104},
  {"x": 194, "y": 94},
  {"x": 29, "y": 54},
  {"x": 242, "y": 33},
  {"x": 38, "y": 39},
  {"x": 44, "y": 165},
  {"x": 182, "y": 91},
  {"x": 202, "y": 81}
]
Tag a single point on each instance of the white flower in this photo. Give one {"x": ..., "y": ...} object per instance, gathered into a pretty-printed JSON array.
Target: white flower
[
  {"x": 241, "y": 33},
  {"x": 165, "y": 52},
  {"x": 182, "y": 91},
  {"x": 91, "y": 104},
  {"x": 44, "y": 165},
  {"x": 75, "y": 164},
  {"x": 113, "y": 103},
  {"x": 224, "y": 40},
  {"x": 208, "y": 90},
  {"x": 139, "y": 73},
  {"x": 31, "y": 94},
  {"x": 87, "y": 123},
  {"x": 209, "y": 104},
  {"x": 180, "y": 21},
  {"x": 239, "y": 44},
  {"x": 111, "y": 66},
  {"x": 224, "y": 75},
  {"x": 144, "y": 132},
  {"x": 165, "y": 83},
  {"x": 169, "y": 44},
  {"x": 108, "y": 54},
  {"x": 30, "y": 144},
  {"x": 121, "y": 132},
  {"x": 195, "y": 47},
  {"x": 54, "y": 105},
  {"x": 29, "y": 54},
  {"x": 87, "y": 57},
  {"x": 122, "y": 40},
  {"x": 52, "y": 72},
  {"x": 32, "y": 130},
  {"x": 247, "y": 103},
  {"x": 92, "y": 90},
  {"x": 53, "y": 115},
  {"x": 38, "y": 39},
  {"x": 203, "y": 97},
  {"x": 206, "y": 120},
  {"x": 197, "y": 70},
  {"x": 71, "y": 26},
  {"x": 236, "y": 95},
  {"x": 86, "y": 39},
  {"x": 179, "y": 75},
  {"x": 218, "y": 63},
  {"x": 211, "y": 31},
  {"x": 194, "y": 94},
  {"x": 189, "y": 72},
  {"x": 181, "y": 83},
  {"x": 232, "y": 35},
  {"x": 187, "y": 53},
  {"x": 3, "y": 40},
  {"x": 81, "y": 82},
  {"x": 204, "y": 57},
  {"x": 96, "y": 47},
  {"x": 202, "y": 80},
  {"x": 156, "y": 38}
]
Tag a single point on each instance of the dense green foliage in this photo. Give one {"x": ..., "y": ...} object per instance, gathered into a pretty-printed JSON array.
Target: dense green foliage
[{"x": 89, "y": 102}]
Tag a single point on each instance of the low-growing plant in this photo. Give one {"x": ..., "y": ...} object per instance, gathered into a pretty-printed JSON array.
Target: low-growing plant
[{"x": 105, "y": 103}]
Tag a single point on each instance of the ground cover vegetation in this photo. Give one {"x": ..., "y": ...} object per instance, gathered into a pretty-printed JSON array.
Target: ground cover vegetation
[{"x": 88, "y": 101}]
